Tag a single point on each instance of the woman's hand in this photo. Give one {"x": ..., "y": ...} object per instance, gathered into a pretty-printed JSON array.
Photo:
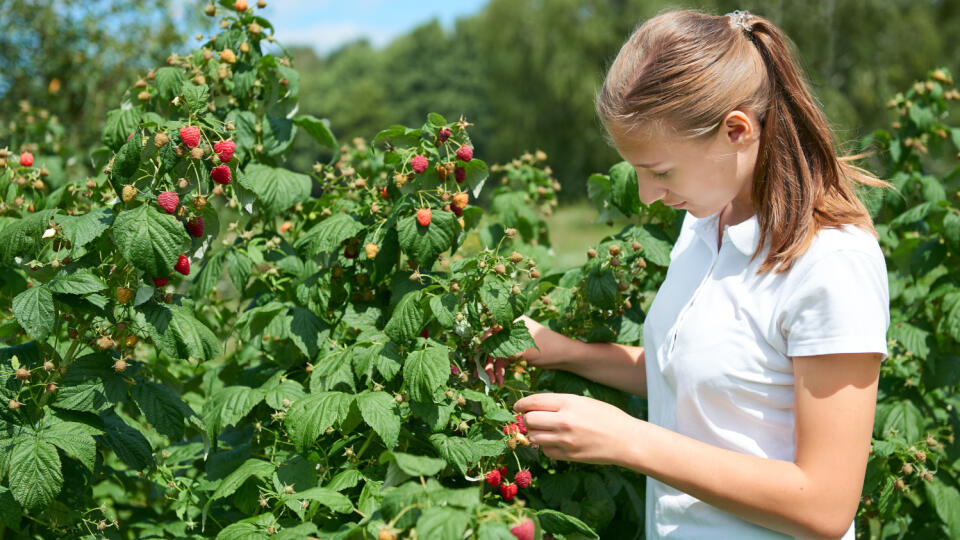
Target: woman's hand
[
  {"x": 577, "y": 428},
  {"x": 554, "y": 347}
]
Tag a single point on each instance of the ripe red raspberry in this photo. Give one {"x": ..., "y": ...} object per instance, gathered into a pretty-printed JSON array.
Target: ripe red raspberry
[
  {"x": 525, "y": 530},
  {"x": 493, "y": 478},
  {"x": 511, "y": 428},
  {"x": 460, "y": 174},
  {"x": 194, "y": 226},
  {"x": 523, "y": 427},
  {"x": 350, "y": 251},
  {"x": 190, "y": 135},
  {"x": 221, "y": 174},
  {"x": 456, "y": 211},
  {"x": 224, "y": 150},
  {"x": 160, "y": 282},
  {"x": 503, "y": 471},
  {"x": 508, "y": 491},
  {"x": 419, "y": 164},
  {"x": 26, "y": 159},
  {"x": 425, "y": 333},
  {"x": 183, "y": 265},
  {"x": 523, "y": 478},
  {"x": 423, "y": 216},
  {"x": 169, "y": 201},
  {"x": 444, "y": 134},
  {"x": 465, "y": 153}
]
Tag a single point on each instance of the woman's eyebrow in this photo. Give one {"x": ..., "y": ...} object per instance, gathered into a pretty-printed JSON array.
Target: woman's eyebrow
[{"x": 648, "y": 165}]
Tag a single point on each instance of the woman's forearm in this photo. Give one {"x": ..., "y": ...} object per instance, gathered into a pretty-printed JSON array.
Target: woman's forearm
[{"x": 619, "y": 366}]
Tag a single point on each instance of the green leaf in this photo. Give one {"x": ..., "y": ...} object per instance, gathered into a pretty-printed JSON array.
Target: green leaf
[
  {"x": 624, "y": 191},
  {"x": 276, "y": 188},
  {"x": 442, "y": 523},
  {"x": 329, "y": 234},
  {"x": 9, "y": 509},
  {"x": 444, "y": 308},
  {"x": 309, "y": 417},
  {"x": 307, "y": 331},
  {"x": 129, "y": 444},
  {"x": 23, "y": 237},
  {"x": 196, "y": 96},
  {"x": 127, "y": 160},
  {"x": 656, "y": 246},
  {"x": 75, "y": 439},
  {"x": 425, "y": 371},
  {"x": 912, "y": 338},
  {"x": 318, "y": 129},
  {"x": 34, "y": 476},
  {"x": 496, "y": 295},
  {"x": 416, "y": 465},
  {"x": 119, "y": 124},
  {"x": 163, "y": 409},
  {"x": 168, "y": 81},
  {"x": 83, "y": 281},
  {"x": 408, "y": 318},
  {"x": 228, "y": 406},
  {"x": 950, "y": 321},
  {"x": 381, "y": 412},
  {"x": 946, "y": 501},
  {"x": 601, "y": 287},
  {"x": 149, "y": 239},
  {"x": 494, "y": 530},
  {"x": 34, "y": 310},
  {"x": 250, "y": 468},
  {"x": 513, "y": 339},
  {"x": 458, "y": 451},
  {"x": 951, "y": 228},
  {"x": 902, "y": 416},
  {"x": 425, "y": 244},
  {"x": 278, "y": 134},
  {"x": 333, "y": 500},
  {"x": 177, "y": 332},
  {"x": 477, "y": 173},
  {"x": 90, "y": 385},
  {"x": 83, "y": 229},
  {"x": 242, "y": 531},
  {"x": 559, "y": 523},
  {"x": 345, "y": 479},
  {"x": 288, "y": 389}
]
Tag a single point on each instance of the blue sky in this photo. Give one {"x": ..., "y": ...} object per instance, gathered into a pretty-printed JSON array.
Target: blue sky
[{"x": 327, "y": 24}]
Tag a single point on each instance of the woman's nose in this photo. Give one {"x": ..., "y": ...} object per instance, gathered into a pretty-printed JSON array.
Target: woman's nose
[{"x": 650, "y": 194}]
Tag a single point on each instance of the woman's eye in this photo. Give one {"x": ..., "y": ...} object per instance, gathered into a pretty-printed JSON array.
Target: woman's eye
[{"x": 660, "y": 175}]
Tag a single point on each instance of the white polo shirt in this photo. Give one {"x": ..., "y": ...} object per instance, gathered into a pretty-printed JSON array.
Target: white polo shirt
[{"x": 719, "y": 342}]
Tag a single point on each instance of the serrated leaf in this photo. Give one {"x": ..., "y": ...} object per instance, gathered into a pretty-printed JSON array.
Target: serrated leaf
[
  {"x": 442, "y": 523},
  {"x": 9, "y": 508},
  {"x": 127, "y": 443},
  {"x": 425, "y": 244},
  {"x": 75, "y": 439},
  {"x": 307, "y": 331},
  {"x": 83, "y": 229},
  {"x": 560, "y": 523},
  {"x": 168, "y": 81},
  {"x": 624, "y": 192},
  {"x": 494, "y": 530},
  {"x": 250, "y": 468},
  {"x": 416, "y": 465},
  {"x": 127, "y": 160},
  {"x": 601, "y": 288},
  {"x": 902, "y": 416},
  {"x": 23, "y": 237},
  {"x": 34, "y": 310},
  {"x": 276, "y": 188},
  {"x": 119, "y": 124},
  {"x": 425, "y": 371},
  {"x": 946, "y": 501},
  {"x": 499, "y": 301},
  {"x": 176, "y": 331},
  {"x": 327, "y": 235},
  {"x": 513, "y": 339},
  {"x": 333, "y": 500},
  {"x": 408, "y": 318},
  {"x": 163, "y": 409},
  {"x": 34, "y": 476},
  {"x": 318, "y": 129},
  {"x": 381, "y": 412},
  {"x": 444, "y": 308},
  {"x": 149, "y": 239},
  {"x": 196, "y": 96},
  {"x": 458, "y": 451},
  {"x": 656, "y": 247},
  {"x": 288, "y": 389},
  {"x": 309, "y": 417},
  {"x": 83, "y": 281},
  {"x": 242, "y": 531},
  {"x": 950, "y": 321},
  {"x": 228, "y": 406}
]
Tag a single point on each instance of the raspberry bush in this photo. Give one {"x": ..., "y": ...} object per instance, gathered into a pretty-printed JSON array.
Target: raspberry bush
[{"x": 203, "y": 343}]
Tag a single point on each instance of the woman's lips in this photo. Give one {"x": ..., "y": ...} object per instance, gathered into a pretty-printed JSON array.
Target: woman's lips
[{"x": 678, "y": 205}]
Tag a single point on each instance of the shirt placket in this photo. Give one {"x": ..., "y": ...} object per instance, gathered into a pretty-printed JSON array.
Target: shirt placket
[{"x": 672, "y": 336}]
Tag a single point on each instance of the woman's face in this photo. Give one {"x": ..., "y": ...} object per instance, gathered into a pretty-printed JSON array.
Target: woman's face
[{"x": 702, "y": 176}]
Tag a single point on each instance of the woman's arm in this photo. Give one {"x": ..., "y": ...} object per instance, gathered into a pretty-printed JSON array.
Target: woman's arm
[
  {"x": 619, "y": 366},
  {"x": 815, "y": 496}
]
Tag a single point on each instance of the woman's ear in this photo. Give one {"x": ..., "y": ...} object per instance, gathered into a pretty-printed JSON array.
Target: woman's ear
[{"x": 740, "y": 127}]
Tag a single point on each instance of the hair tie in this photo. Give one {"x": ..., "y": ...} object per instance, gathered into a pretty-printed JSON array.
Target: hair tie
[{"x": 742, "y": 19}]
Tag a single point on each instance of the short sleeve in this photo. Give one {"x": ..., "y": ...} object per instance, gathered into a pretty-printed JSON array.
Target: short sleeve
[{"x": 841, "y": 304}]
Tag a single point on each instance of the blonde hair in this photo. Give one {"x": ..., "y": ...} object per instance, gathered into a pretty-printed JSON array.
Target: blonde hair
[{"x": 685, "y": 70}]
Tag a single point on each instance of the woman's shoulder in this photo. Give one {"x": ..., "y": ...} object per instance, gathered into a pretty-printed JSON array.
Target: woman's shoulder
[{"x": 837, "y": 243}]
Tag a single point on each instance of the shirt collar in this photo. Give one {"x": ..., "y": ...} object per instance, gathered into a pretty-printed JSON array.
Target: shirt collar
[{"x": 743, "y": 235}]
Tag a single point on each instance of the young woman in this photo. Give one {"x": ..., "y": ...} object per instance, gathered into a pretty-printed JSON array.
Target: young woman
[{"x": 763, "y": 345}]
